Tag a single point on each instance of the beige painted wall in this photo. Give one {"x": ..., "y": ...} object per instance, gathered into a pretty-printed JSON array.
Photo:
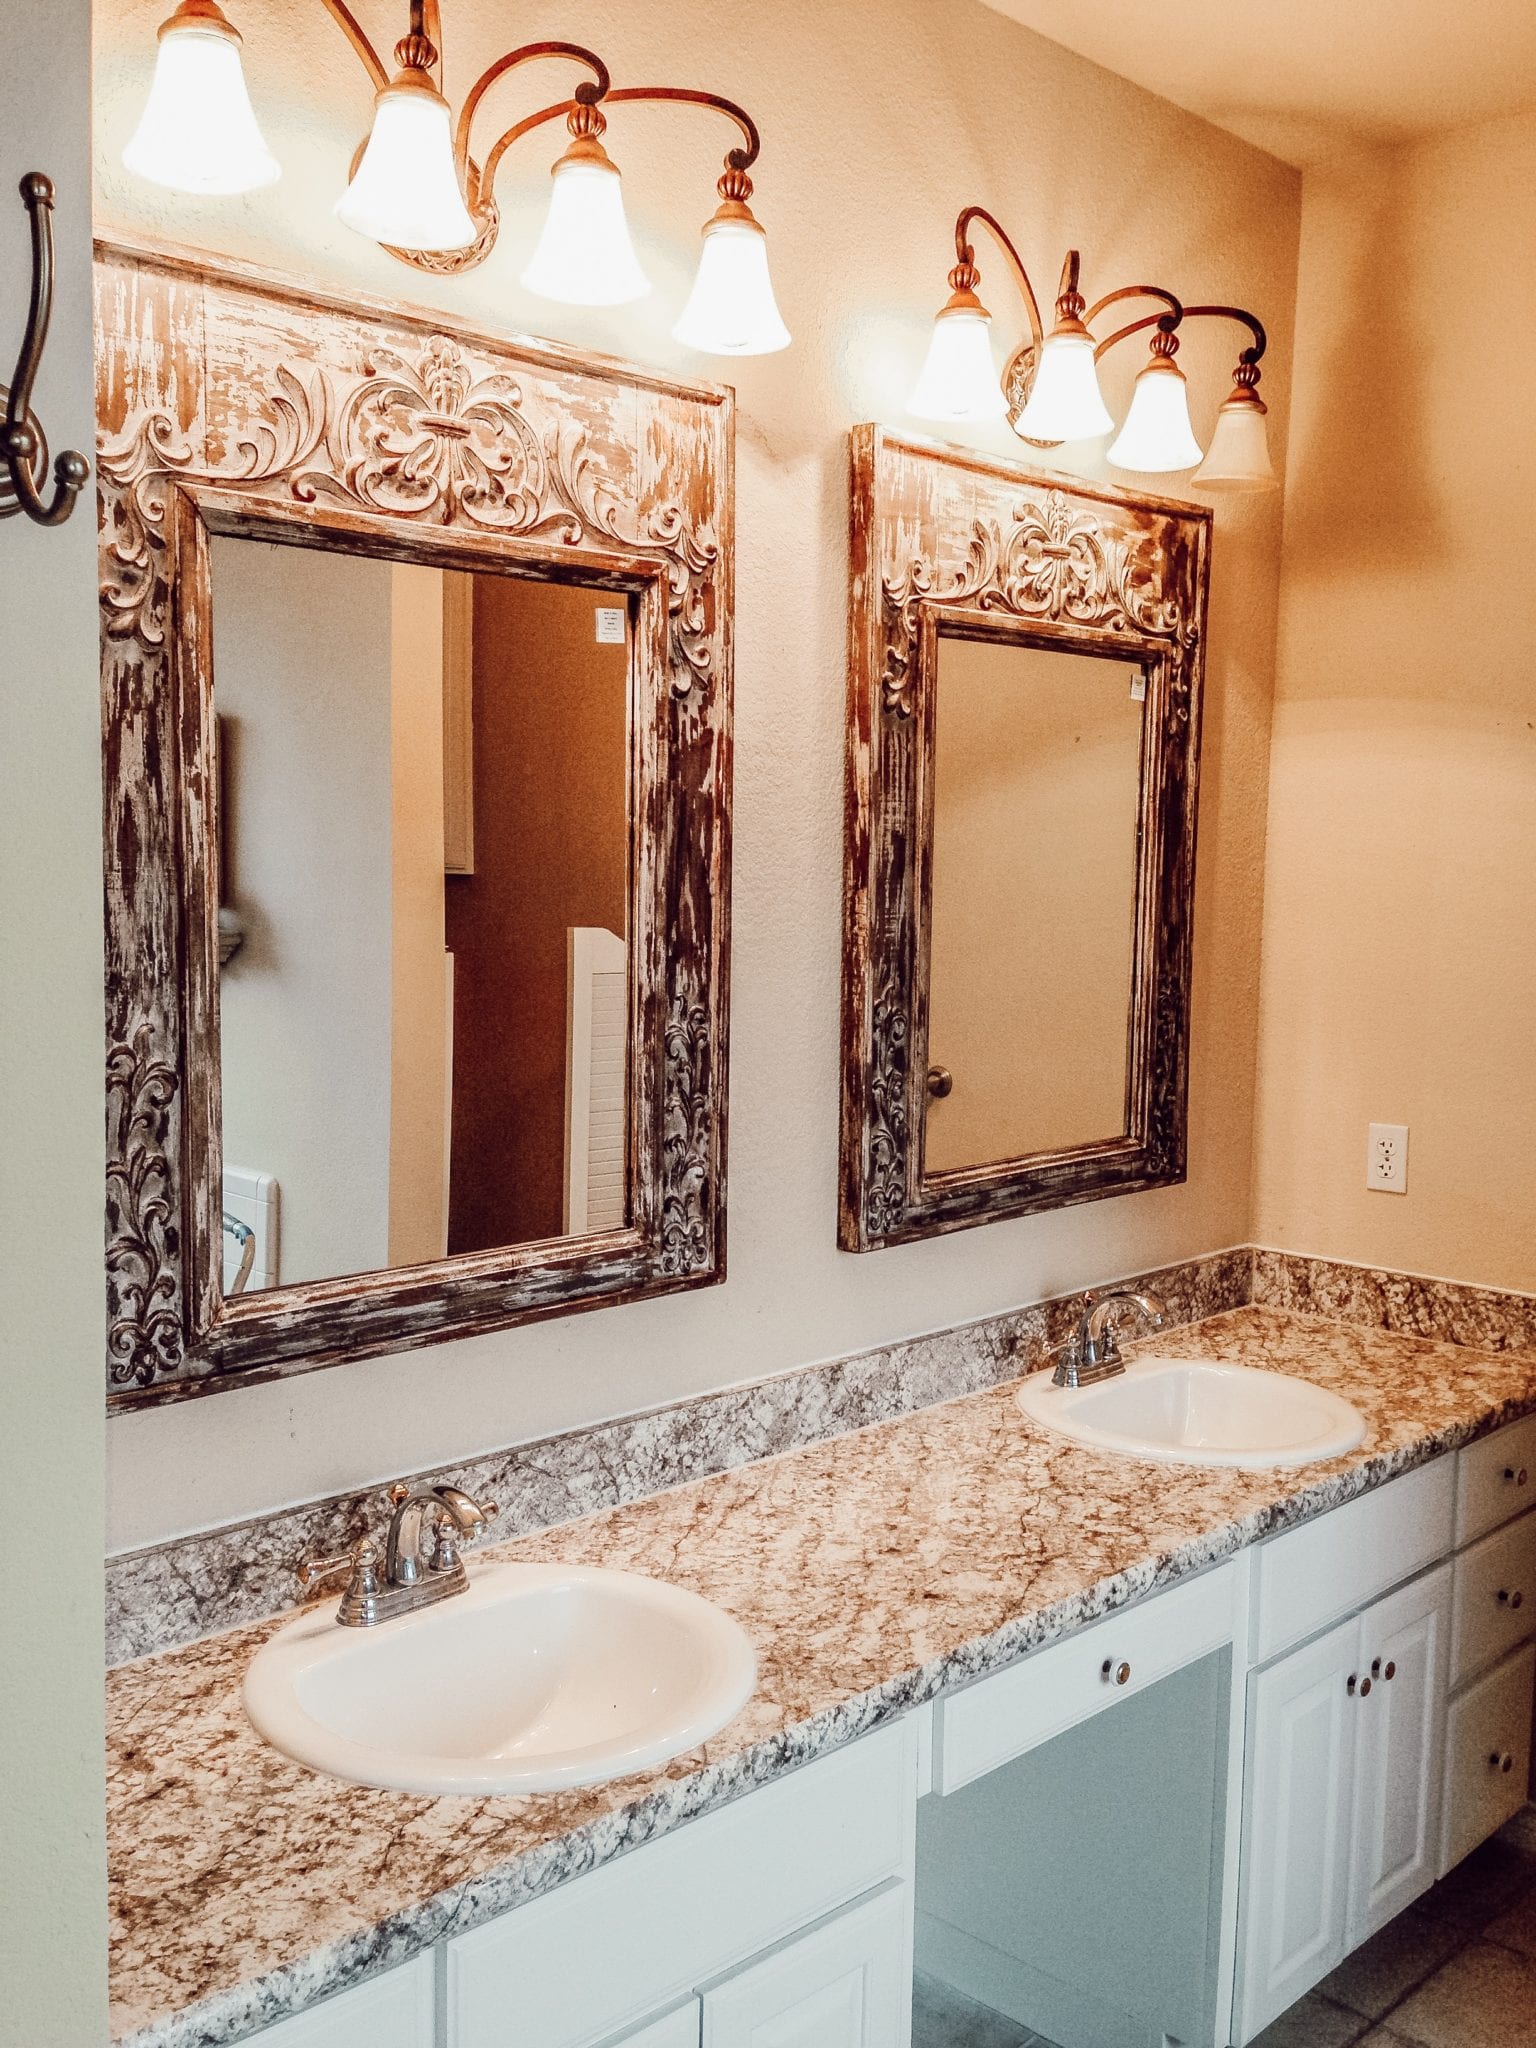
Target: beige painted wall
[
  {"x": 881, "y": 118},
  {"x": 52, "y": 1327},
  {"x": 1399, "y": 965}
]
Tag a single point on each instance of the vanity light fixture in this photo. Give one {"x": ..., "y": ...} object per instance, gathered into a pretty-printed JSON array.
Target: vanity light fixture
[
  {"x": 417, "y": 191},
  {"x": 1050, "y": 393}
]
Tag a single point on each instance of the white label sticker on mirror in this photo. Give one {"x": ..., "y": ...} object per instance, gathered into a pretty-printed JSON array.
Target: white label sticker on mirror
[
  {"x": 610, "y": 626},
  {"x": 1138, "y": 685}
]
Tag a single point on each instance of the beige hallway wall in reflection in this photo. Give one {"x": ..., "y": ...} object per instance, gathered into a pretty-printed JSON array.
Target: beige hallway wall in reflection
[
  {"x": 301, "y": 649},
  {"x": 1035, "y": 801}
]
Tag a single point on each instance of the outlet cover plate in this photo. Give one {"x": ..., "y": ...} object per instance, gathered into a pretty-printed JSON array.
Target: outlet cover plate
[{"x": 1386, "y": 1159}]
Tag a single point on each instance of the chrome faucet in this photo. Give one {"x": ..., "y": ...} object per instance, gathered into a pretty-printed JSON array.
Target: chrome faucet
[
  {"x": 1091, "y": 1352},
  {"x": 412, "y": 1576}
]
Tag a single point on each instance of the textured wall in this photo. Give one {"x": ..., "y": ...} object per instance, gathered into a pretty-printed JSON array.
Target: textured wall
[
  {"x": 880, "y": 121},
  {"x": 52, "y": 1325},
  {"x": 1399, "y": 968}
]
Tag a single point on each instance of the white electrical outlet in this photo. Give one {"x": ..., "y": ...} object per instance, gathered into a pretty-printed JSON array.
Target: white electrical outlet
[{"x": 1386, "y": 1160}]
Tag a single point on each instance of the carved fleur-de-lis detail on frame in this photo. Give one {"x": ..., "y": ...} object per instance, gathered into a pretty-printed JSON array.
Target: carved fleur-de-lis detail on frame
[
  {"x": 431, "y": 440},
  {"x": 1076, "y": 566}
]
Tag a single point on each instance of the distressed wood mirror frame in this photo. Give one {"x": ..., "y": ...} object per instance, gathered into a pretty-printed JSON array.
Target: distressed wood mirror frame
[
  {"x": 232, "y": 403},
  {"x": 945, "y": 538}
]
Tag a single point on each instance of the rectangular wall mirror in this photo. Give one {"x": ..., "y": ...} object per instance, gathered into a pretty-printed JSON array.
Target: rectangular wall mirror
[
  {"x": 1024, "y": 718},
  {"x": 416, "y": 718}
]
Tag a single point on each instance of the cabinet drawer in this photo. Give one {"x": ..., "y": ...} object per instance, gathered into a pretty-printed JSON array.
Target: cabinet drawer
[
  {"x": 1495, "y": 1597},
  {"x": 1487, "y": 1755},
  {"x": 845, "y": 1984},
  {"x": 1318, "y": 1573},
  {"x": 1016, "y": 1710},
  {"x": 392, "y": 2011},
  {"x": 608, "y": 1950},
  {"x": 1495, "y": 1478}
]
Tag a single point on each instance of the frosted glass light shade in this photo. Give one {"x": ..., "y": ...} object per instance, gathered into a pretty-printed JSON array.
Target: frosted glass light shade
[
  {"x": 958, "y": 380},
  {"x": 585, "y": 256},
  {"x": 1157, "y": 434},
  {"x": 406, "y": 189},
  {"x": 731, "y": 310},
  {"x": 198, "y": 131},
  {"x": 1066, "y": 403},
  {"x": 1239, "y": 454}
]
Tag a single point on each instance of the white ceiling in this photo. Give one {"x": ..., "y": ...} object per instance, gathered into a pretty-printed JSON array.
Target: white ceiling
[{"x": 1302, "y": 77}]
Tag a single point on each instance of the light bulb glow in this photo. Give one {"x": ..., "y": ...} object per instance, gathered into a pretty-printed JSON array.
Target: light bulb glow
[
  {"x": 958, "y": 380},
  {"x": 198, "y": 131},
  {"x": 731, "y": 310},
  {"x": 1066, "y": 403},
  {"x": 1157, "y": 434},
  {"x": 1239, "y": 455},
  {"x": 585, "y": 256},
  {"x": 406, "y": 189}
]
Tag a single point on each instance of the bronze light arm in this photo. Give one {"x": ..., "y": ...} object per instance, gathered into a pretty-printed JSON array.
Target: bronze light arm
[
  {"x": 965, "y": 277},
  {"x": 1166, "y": 322},
  {"x": 1247, "y": 363},
  {"x": 587, "y": 94},
  {"x": 582, "y": 115},
  {"x": 736, "y": 159}
]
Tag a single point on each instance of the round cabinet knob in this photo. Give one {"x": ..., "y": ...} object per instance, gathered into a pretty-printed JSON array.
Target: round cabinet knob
[
  {"x": 1515, "y": 1475},
  {"x": 1508, "y": 1599},
  {"x": 1391, "y": 1671},
  {"x": 1120, "y": 1673},
  {"x": 1501, "y": 1760},
  {"x": 941, "y": 1082},
  {"x": 1365, "y": 1688}
]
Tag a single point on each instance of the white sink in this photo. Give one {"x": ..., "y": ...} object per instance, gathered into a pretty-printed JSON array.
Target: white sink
[
  {"x": 1185, "y": 1411},
  {"x": 539, "y": 1676}
]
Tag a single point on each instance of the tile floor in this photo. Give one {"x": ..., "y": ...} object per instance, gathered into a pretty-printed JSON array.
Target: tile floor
[{"x": 1457, "y": 1970}]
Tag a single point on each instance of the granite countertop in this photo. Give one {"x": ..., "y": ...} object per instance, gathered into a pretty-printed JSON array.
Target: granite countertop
[{"x": 872, "y": 1572}]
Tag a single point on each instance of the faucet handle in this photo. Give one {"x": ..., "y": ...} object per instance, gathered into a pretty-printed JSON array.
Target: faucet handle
[
  {"x": 316, "y": 1569},
  {"x": 360, "y": 1602}
]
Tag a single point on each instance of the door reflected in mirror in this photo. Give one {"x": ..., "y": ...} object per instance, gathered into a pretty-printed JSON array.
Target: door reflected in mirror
[
  {"x": 1036, "y": 799},
  {"x": 424, "y": 898}
]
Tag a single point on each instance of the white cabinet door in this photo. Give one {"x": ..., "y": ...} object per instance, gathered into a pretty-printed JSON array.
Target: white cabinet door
[
  {"x": 1403, "y": 1651},
  {"x": 846, "y": 1984},
  {"x": 1302, "y": 1723}
]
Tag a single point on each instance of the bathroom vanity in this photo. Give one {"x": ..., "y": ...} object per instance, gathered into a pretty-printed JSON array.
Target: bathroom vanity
[{"x": 1246, "y": 1715}]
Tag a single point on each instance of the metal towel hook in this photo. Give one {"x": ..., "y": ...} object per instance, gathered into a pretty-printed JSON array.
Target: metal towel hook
[{"x": 22, "y": 443}]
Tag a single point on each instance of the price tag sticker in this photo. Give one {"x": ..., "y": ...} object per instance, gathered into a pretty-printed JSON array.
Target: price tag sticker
[
  {"x": 1138, "y": 684},
  {"x": 610, "y": 625}
]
